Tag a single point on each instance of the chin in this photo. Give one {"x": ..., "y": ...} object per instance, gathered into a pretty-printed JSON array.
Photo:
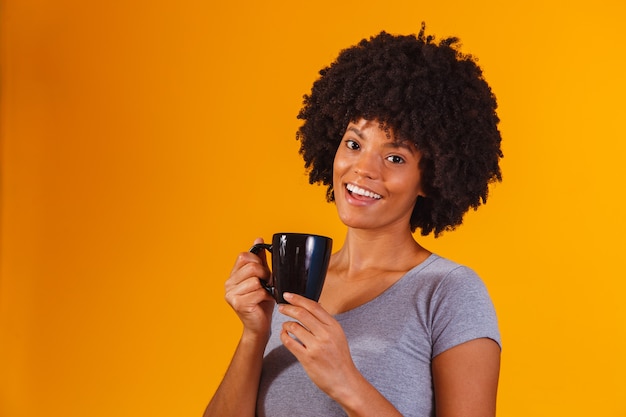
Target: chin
[{"x": 357, "y": 222}]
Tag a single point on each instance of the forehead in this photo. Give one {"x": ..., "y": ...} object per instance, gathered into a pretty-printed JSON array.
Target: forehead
[{"x": 365, "y": 129}]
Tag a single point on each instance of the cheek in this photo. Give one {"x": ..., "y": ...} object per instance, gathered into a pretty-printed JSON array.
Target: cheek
[
  {"x": 409, "y": 187},
  {"x": 338, "y": 169},
  {"x": 416, "y": 180}
]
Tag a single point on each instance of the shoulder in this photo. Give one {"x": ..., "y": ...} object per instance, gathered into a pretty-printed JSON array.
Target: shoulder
[
  {"x": 457, "y": 277},
  {"x": 441, "y": 274},
  {"x": 459, "y": 306},
  {"x": 440, "y": 287}
]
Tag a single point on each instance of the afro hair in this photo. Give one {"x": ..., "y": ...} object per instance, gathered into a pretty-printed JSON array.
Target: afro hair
[{"x": 426, "y": 92}]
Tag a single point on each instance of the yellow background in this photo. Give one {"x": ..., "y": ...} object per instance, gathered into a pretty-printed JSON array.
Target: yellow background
[{"x": 144, "y": 144}]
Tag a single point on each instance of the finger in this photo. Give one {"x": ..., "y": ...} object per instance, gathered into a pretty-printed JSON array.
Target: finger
[
  {"x": 246, "y": 293},
  {"x": 248, "y": 302},
  {"x": 305, "y": 319},
  {"x": 248, "y": 265},
  {"x": 294, "y": 343},
  {"x": 313, "y": 307},
  {"x": 243, "y": 287},
  {"x": 244, "y": 258},
  {"x": 261, "y": 254},
  {"x": 250, "y": 285}
]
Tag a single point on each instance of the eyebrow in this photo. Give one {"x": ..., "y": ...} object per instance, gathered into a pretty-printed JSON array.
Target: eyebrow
[
  {"x": 404, "y": 144},
  {"x": 357, "y": 131}
]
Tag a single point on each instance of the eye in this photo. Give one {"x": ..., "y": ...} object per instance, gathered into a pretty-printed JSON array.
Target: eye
[
  {"x": 350, "y": 144},
  {"x": 395, "y": 159}
]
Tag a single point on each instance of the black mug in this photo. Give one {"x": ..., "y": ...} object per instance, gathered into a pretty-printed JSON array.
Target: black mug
[{"x": 299, "y": 264}]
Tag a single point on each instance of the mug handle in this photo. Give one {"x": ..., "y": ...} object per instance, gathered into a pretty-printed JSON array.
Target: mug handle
[{"x": 256, "y": 249}]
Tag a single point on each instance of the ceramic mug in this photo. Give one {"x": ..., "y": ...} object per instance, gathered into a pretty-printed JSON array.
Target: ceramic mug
[{"x": 299, "y": 264}]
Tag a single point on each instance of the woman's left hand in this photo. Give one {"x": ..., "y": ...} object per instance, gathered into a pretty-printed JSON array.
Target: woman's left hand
[{"x": 320, "y": 344}]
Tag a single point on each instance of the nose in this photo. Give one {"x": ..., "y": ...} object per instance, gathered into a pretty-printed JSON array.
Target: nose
[{"x": 367, "y": 165}]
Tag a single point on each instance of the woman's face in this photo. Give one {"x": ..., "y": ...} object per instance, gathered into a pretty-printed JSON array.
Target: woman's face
[{"x": 376, "y": 178}]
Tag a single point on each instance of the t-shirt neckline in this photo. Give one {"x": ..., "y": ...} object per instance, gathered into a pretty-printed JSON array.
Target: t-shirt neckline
[{"x": 411, "y": 272}]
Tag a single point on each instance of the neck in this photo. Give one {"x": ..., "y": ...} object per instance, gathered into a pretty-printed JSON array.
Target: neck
[{"x": 366, "y": 250}]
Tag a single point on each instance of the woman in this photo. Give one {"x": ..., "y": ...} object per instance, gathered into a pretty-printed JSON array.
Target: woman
[{"x": 403, "y": 132}]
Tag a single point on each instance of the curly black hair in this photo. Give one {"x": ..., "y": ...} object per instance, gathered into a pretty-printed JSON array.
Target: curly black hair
[{"x": 426, "y": 92}]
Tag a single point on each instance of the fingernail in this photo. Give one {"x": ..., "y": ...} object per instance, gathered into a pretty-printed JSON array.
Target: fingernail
[{"x": 287, "y": 295}]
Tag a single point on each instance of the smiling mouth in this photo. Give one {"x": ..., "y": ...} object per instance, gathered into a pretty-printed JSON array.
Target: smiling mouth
[{"x": 360, "y": 191}]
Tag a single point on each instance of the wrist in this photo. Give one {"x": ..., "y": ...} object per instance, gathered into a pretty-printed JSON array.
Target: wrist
[
  {"x": 351, "y": 392},
  {"x": 254, "y": 338},
  {"x": 360, "y": 398}
]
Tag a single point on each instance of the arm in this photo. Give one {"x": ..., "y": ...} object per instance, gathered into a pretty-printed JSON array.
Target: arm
[
  {"x": 237, "y": 394},
  {"x": 466, "y": 379},
  {"x": 465, "y": 376},
  {"x": 322, "y": 349}
]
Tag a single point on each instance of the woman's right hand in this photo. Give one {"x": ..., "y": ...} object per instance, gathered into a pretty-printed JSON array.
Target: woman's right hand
[
  {"x": 237, "y": 394},
  {"x": 245, "y": 294}
]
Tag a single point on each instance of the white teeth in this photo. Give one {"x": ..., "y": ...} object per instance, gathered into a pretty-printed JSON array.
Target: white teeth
[{"x": 360, "y": 191}]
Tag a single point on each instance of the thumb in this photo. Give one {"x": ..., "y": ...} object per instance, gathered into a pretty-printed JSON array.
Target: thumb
[{"x": 261, "y": 252}]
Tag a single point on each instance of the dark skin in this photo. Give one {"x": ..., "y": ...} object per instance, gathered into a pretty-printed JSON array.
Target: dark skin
[
  {"x": 375, "y": 182},
  {"x": 428, "y": 93},
  {"x": 414, "y": 128}
]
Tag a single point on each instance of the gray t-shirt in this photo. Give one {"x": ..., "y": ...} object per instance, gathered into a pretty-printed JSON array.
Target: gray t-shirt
[{"x": 393, "y": 338}]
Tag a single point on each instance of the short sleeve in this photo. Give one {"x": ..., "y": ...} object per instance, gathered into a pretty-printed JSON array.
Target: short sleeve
[{"x": 461, "y": 310}]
